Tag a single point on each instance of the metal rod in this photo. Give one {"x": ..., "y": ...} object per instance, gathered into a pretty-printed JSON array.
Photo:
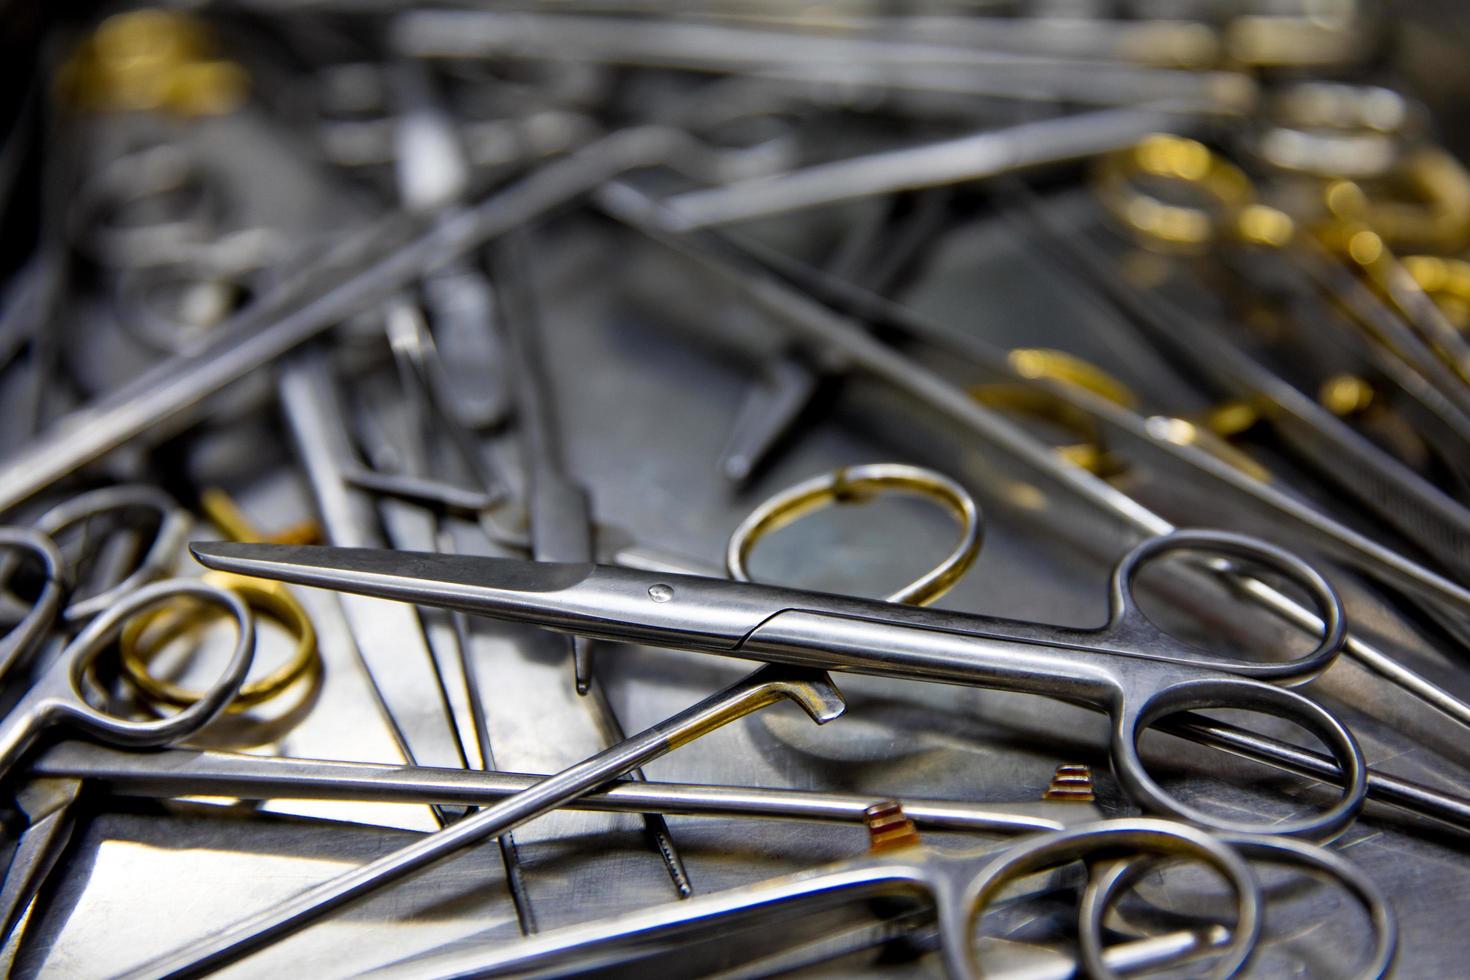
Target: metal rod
[{"x": 814, "y": 692}]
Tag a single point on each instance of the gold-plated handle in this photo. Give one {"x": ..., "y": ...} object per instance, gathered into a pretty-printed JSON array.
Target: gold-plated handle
[
  {"x": 152, "y": 59},
  {"x": 856, "y": 483},
  {"x": 147, "y": 635}
]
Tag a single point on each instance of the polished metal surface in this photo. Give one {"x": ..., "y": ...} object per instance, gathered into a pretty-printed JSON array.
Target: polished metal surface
[
  {"x": 567, "y": 305},
  {"x": 811, "y": 691},
  {"x": 949, "y": 750}
]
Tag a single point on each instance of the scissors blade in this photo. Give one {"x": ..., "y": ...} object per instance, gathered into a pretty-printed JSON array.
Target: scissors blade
[{"x": 583, "y": 598}]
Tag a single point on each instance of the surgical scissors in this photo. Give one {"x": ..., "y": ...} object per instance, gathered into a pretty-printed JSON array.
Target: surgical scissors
[
  {"x": 768, "y": 906},
  {"x": 1104, "y": 886},
  {"x": 1127, "y": 668},
  {"x": 959, "y": 885},
  {"x": 815, "y": 322},
  {"x": 55, "y": 693},
  {"x": 812, "y": 690}
]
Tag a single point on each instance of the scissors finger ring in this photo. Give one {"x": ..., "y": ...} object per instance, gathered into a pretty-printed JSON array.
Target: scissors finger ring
[
  {"x": 173, "y": 527},
  {"x": 853, "y": 483},
  {"x": 1142, "y": 835},
  {"x": 1106, "y": 884},
  {"x": 137, "y": 645}
]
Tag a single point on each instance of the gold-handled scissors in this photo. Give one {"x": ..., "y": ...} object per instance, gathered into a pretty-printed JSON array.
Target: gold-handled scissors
[
  {"x": 856, "y": 483},
  {"x": 146, "y": 635},
  {"x": 1339, "y": 213},
  {"x": 1208, "y": 432},
  {"x": 1404, "y": 499}
]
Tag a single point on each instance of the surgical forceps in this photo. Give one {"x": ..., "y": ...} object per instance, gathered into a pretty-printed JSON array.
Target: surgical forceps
[
  {"x": 175, "y": 772},
  {"x": 987, "y": 153},
  {"x": 400, "y": 664},
  {"x": 1156, "y": 43},
  {"x": 433, "y": 172},
  {"x": 558, "y": 515},
  {"x": 1318, "y": 435},
  {"x": 1417, "y": 509},
  {"x": 408, "y": 524},
  {"x": 876, "y": 250},
  {"x": 1406, "y": 331},
  {"x": 557, "y": 508}
]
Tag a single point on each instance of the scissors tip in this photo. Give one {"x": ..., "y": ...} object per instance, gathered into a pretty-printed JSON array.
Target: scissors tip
[
  {"x": 210, "y": 553},
  {"x": 242, "y": 557}
]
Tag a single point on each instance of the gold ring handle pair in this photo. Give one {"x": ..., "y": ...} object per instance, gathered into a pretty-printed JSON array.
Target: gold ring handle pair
[{"x": 146, "y": 636}]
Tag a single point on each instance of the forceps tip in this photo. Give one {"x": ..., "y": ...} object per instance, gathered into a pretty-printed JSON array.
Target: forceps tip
[{"x": 582, "y": 663}]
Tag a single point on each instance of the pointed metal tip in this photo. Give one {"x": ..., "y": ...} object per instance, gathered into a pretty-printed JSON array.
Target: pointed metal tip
[
  {"x": 736, "y": 468},
  {"x": 218, "y": 554},
  {"x": 582, "y": 663}
]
